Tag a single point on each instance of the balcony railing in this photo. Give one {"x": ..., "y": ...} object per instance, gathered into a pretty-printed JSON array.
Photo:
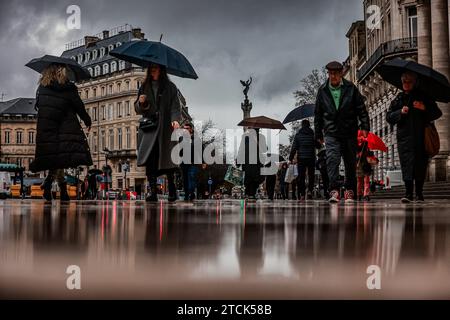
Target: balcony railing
[{"x": 399, "y": 46}]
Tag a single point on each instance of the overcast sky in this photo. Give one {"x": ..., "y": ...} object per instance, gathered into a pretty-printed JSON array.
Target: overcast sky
[{"x": 277, "y": 42}]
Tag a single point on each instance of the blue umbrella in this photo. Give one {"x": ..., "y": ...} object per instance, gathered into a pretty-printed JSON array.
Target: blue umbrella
[
  {"x": 40, "y": 64},
  {"x": 143, "y": 53},
  {"x": 299, "y": 113}
]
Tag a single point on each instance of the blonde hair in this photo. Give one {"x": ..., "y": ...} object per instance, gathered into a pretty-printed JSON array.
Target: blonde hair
[{"x": 54, "y": 73}]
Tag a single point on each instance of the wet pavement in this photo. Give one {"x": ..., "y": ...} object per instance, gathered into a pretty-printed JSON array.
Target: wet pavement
[{"x": 224, "y": 249}]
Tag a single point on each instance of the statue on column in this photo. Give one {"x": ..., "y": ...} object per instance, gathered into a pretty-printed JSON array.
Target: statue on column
[
  {"x": 246, "y": 106},
  {"x": 246, "y": 85}
]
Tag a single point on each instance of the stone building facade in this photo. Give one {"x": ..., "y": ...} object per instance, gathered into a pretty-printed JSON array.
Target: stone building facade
[
  {"x": 433, "y": 47},
  {"x": 18, "y": 120},
  {"x": 410, "y": 29},
  {"x": 371, "y": 44}
]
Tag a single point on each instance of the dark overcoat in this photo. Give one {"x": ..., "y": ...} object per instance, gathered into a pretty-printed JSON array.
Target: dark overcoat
[
  {"x": 167, "y": 105},
  {"x": 60, "y": 140},
  {"x": 411, "y": 132}
]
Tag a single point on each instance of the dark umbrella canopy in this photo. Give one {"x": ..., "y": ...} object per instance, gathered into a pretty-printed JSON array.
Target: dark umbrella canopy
[
  {"x": 95, "y": 171},
  {"x": 430, "y": 82},
  {"x": 262, "y": 123},
  {"x": 40, "y": 64},
  {"x": 143, "y": 53},
  {"x": 299, "y": 113}
]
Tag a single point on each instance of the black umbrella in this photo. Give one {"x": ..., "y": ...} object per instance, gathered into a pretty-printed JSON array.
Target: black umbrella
[
  {"x": 144, "y": 53},
  {"x": 299, "y": 113},
  {"x": 262, "y": 123},
  {"x": 40, "y": 64},
  {"x": 95, "y": 171},
  {"x": 430, "y": 81}
]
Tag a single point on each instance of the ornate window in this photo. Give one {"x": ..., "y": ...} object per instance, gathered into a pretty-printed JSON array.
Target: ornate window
[
  {"x": 19, "y": 137},
  {"x": 113, "y": 66},
  {"x": 96, "y": 71}
]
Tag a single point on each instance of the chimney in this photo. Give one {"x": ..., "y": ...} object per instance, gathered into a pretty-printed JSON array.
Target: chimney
[
  {"x": 137, "y": 33},
  {"x": 89, "y": 41},
  {"x": 105, "y": 34}
]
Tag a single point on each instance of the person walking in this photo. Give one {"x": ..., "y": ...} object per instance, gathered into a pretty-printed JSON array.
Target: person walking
[
  {"x": 284, "y": 186},
  {"x": 159, "y": 105},
  {"x": 304, "y": 147},
  {"x": 321, "y": 165},
  {"x": 60, "y": 140},
  {"x": 250, "y": 162},
  {"x": 366, "y": 160},
  {"x": 190, "y": 168},
  {"x": 339, "y": 109},
  {"x": 412, "y": 111}
]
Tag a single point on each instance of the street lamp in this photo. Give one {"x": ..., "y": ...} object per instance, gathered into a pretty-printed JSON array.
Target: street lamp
[
  {"x": 107, "y": 172},
  {"x": 125, "y": 169}
]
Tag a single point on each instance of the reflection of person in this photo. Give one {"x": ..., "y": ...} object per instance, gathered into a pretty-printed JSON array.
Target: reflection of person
[
  {"x": 304, "y": 146},
  {"x": 339, "y": 108},
  {"x": 60, "y": 141},
  {"x": 158, "y": 100},
  {"x": 411, "y": 111}
]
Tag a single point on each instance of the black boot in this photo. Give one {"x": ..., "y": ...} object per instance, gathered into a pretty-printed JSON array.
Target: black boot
[
  {"x": 408, "y": 198},
  {"x": 153, "y": 197},
  {"x": 419, "y": 191},
  {"x": 63, "y": 195},
  {"x": 47, "y": 187},
  {"x": 172, "y": 189}
]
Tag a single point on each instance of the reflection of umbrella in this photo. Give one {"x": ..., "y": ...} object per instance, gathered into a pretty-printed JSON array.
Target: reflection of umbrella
[
  {"x": 430, "y": 81},
  {"x": 262, "y": 123},
  {"x": 144, "y": 53},
  {"x": 299, "y": 113},
  {"x": 40, "y": 64},
  {"x": 374, "y": 142}
]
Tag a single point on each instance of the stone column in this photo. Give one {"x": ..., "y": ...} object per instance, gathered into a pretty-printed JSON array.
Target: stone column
[
  {"x": 440, "y": 56},
  {"x": 424, "y": 32}
]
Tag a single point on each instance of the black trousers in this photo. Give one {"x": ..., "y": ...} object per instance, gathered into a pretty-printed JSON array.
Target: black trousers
[
  {"x": 304, "y": 166},
  {"x": 152, "y": 172},
  {"x": 270, "y": 185}
]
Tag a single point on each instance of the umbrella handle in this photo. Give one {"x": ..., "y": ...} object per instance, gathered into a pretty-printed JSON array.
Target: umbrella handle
[{"x": 160, "y": 38}]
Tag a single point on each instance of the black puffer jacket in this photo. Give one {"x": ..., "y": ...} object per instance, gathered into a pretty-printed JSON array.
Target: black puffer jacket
[
  {"x": 345, "y": 121},
  {"x": 60, "y": 140},
  {"x": 304, "y": 145}
]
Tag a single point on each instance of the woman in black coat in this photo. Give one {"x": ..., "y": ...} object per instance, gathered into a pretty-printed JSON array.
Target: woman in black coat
[
  {"x": 411, "y": 111},
  {"x": 60, "y": 140},
  {"x": 159, "y": 104}
]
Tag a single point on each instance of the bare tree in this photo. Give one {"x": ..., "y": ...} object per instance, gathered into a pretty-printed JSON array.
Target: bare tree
[
  {"x": 309, "y": 86},
  {"x": 307, "y": 93}
]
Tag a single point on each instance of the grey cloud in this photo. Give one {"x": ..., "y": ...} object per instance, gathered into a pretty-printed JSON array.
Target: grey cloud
[{"x": 278, "y": 42}]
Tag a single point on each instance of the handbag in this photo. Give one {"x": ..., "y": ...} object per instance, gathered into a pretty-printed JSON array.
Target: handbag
[
  {"x": 234, "y": 176},
  {"x": 432, "y": 141},
  {"x": 290, "y": 174},
  {"x": 148, "y": 123}
]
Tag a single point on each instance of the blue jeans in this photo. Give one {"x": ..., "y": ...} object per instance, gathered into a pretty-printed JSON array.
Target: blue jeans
[
  {"x": 337, "y": 149},
  {"x": 189, "y": 179}
]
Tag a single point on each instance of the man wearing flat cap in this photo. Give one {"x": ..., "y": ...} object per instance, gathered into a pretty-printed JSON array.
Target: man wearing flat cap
[{"x": 340, "y": 112}]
